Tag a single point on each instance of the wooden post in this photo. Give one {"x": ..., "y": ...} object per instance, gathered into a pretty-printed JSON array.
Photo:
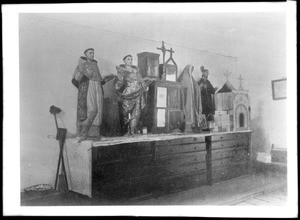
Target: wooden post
[
  {"x": 208, "y": 159},
  {"x": 61, "y": 136},
  {"x": 163, "y": 49},
  {"x": 250, "y": 169},
  {"x": 155, "y": 181}
]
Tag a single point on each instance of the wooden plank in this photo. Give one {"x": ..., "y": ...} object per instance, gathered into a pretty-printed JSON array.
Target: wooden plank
[
  {"x": 180, "y": 141},
  {"x": 270, "y": 200},
  {"x": 208, "y": 159},
  {"x": 182, "y": 182},
  {"x": 131, "y": 188},
  {"x": 123, "y": 173},
  {"x": 240, "y": 152},
  {"x": 122, "y": 151},
  {"x": 260, "y": 202},
  {"x": 180, "y": 159},
  {"x": 250, "y": 171},
  {"x": 148, "y": 180},
  {"x": 111, "y": 153},
  {"x": 229, "y": 172},
  {"x": 145, "y": 160},
  {"x": 227, "y": 162},
  {"x": 221, "y": 162},
  {"x": 244, "y": 204},
  {"x": 163, "y": 171},
  {"x": 229, "y": 143},
  {"x": 118, "y": 170},
  {"x": 181, "y": 175},
  {"x": 231, "y": 136},
  {"x": 110, "y": 167},
  {"x": 177, "y": 149},
  {"x": 140, "y": 148},
  {"x": 257, "y": 202},
  {"x": 280, "y": 194},
  {"x": 140, "y": 188},
  {"x": 230, "y": 166}
]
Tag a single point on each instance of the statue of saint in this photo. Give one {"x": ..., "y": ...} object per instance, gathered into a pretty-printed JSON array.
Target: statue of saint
[
  {"x": 131, "y": 88},
  {"x": 192, "y": 100},
  {"x": 207, "y": 91},
  {"x": 88, "y": 80}
]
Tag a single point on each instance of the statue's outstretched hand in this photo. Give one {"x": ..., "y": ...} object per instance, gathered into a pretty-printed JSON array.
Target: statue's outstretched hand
[{"x": 109, "y": 78}]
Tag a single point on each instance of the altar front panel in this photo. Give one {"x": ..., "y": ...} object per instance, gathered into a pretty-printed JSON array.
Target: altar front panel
[{"x": 146, "y": 166}]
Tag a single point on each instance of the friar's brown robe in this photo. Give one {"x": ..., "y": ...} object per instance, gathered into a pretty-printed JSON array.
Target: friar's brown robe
[{"x": 90, "y": 98}]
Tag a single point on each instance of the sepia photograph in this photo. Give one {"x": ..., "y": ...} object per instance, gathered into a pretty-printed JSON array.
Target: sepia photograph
[{"x": 150, "y": 109}]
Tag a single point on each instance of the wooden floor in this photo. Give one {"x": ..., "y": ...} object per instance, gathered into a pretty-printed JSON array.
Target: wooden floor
[
  {"x": 231, "y": 192},
  {"x": 274, "y": 198},
  {"x": 255, "y": 190}
]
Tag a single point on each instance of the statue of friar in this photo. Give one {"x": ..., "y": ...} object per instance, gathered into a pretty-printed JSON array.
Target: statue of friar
[{"x": 88, "y": 80}]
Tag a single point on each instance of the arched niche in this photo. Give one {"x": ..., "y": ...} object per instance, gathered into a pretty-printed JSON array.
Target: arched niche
[{"x": 241, "y": 119}]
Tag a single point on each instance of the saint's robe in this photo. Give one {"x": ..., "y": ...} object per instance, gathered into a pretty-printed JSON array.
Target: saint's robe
[
  {"x": 207, "y": 98},
  {"x": 192, "y": 101},
  {"x": 131, "y": 88},
  {"x": 90, "y": 98}
]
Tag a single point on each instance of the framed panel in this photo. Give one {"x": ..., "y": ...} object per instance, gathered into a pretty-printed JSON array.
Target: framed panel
[
  {"x": 161, "y": 118},
  {"x": 279, "y": 89},
  {"x": 161, "y": 97},
  {"x": 176, "y": 119},
  {"x": 148, "y": 64}
]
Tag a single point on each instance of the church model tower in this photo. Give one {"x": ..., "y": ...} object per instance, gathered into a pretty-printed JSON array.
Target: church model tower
[{"x": 232, "y": 108}]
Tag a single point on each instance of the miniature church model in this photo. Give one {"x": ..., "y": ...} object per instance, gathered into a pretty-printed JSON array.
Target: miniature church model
[{"x": 232, "y": 107}]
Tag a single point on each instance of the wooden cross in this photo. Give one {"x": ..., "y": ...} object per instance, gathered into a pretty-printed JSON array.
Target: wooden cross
[
  {"x": 171, "y": 59},
  {"x": 163, "y": 49},
  {"x": 171, "y": 52},
  {"x": 240, "y": 78}
]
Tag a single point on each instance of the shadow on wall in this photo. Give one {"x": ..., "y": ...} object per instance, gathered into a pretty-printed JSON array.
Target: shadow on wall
[
  {"x": 110, "y": 125},
  {"x": 259, "y": 138}
]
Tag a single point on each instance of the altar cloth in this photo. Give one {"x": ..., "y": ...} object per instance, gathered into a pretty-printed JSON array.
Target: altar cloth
[
  {"x": 78, "y": 163},
  {"x": 107, "y": 141}
]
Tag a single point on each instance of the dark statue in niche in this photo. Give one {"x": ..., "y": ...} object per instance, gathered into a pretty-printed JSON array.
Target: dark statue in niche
[{"x": 241, "y": 120}]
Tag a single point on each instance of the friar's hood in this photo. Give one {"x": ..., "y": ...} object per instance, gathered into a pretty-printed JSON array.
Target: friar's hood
[{"x": 84, "y": 59}]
